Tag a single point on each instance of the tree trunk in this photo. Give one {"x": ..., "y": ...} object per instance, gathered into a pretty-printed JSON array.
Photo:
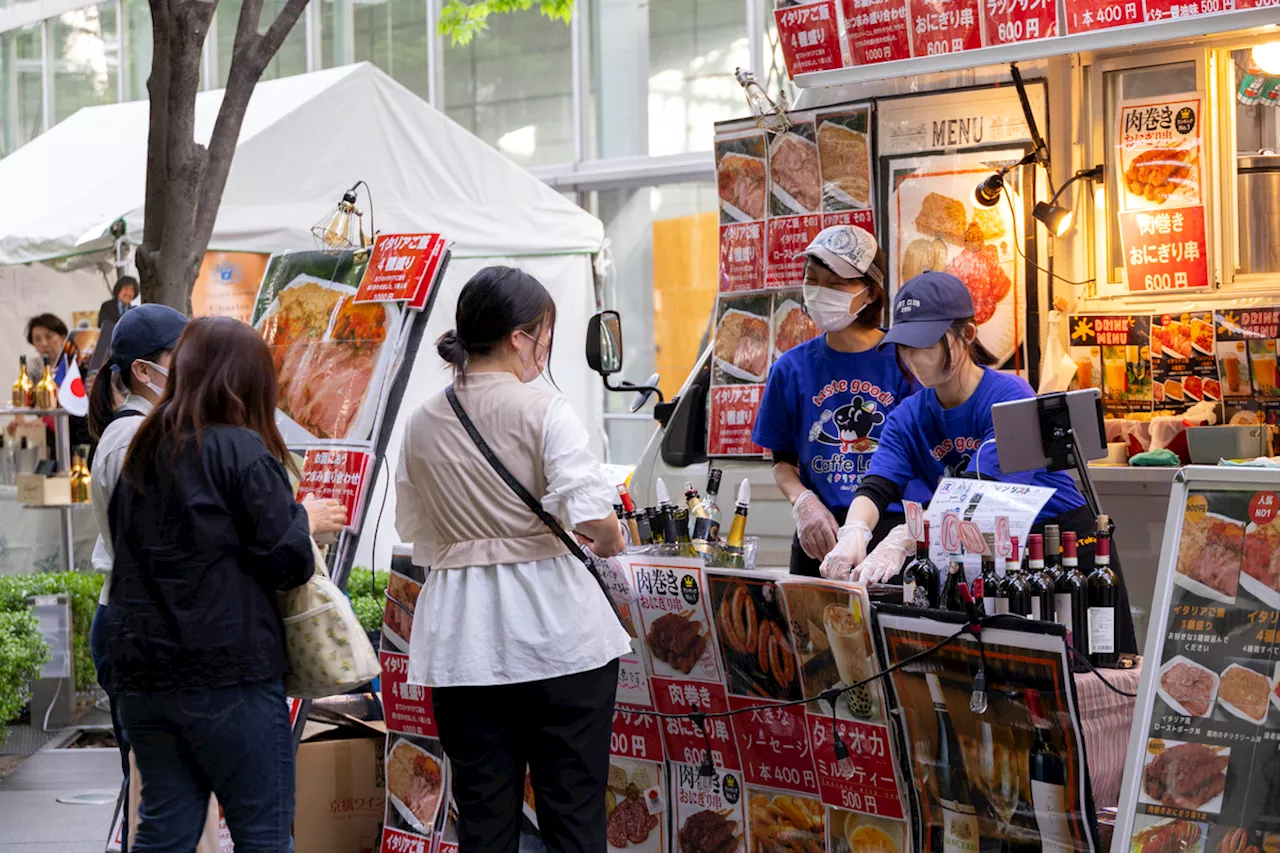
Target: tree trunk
[{"x": 185, "y": 180}]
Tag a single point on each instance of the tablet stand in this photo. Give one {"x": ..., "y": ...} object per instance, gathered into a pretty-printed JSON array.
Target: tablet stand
[{"x": 1058, "y": 438}]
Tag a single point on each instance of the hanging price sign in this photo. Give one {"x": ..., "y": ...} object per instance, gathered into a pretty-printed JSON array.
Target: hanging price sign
[
  {"x": 1004, "y": 545},
  {"x": 951, "y": 533},
  {"x": 971, "y": 535},
  {"x": 915, "y": 520}
]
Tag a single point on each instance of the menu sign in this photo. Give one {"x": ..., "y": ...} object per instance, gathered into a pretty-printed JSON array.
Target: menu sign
[
  {"x": 1162, "y": 227},
  {"x": 974, "y": 783},
  {"x": 882, "y": 29},
  {"x": 335, "y": 474},
  {"x": 1009, "y": 21},
  {"x": 777, "y": 192},
  {"x": 1113, "y": 353},
  {"x": 400, "y": 267},
  {"x": 812, "y": 36},
  {"x": 1205, "y": 753},
  {"x": 944, "y": 26}
]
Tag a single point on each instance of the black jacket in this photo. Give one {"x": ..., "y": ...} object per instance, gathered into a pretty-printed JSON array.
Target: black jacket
[
  {"x": 200, "y": 549},
  {"x": 109, "y": 312}
]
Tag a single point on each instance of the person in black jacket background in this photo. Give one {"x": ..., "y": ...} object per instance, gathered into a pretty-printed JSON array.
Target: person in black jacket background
[
  {"x": 206, "y": 530},
  {"x": 122, "y": 296}
]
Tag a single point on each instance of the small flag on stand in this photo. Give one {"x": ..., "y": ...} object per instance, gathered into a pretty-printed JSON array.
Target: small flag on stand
[{"x": 71, "y": 393}]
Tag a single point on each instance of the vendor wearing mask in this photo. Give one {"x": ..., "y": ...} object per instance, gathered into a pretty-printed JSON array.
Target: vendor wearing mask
[
  {"x": 827, "y": 400},
  {"x": 937, "y": 341}
]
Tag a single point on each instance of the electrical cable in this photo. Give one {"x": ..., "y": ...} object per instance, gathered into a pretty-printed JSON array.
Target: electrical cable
[
  {"x": 1017, "y": 247},
  {"x": 1094, "y": 670},
  {"x": 373, "y": 554}
]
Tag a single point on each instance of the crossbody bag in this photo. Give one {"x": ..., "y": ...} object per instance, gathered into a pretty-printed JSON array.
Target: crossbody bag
[{"x": 588, "y": 559}]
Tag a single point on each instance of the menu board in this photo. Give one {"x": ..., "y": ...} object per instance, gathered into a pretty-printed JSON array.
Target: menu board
[
  {"x": 812, "y": 35},
  {"x": 777, "y": 192},
  {"x": 935, "y": 224},
  {"x": 1204, "y": 757},
  {"x": 1019, "y": 780},
  {"x": 1162, "y": 213},
  {"x": 1170, "y": 362}
]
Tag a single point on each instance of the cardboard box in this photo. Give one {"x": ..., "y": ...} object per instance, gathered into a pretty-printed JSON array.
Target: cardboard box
[
  {"x": 38, "y": 490},
  {"x": 341, "y": 793}
]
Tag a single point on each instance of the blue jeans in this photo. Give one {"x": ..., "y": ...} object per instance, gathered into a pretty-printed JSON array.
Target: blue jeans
[
  {"x": 234, "y": 742},
  {"x": 98, "y": 649}
]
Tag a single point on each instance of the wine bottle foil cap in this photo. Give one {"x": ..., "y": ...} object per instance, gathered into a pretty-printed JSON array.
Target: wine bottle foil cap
[
  {"x": 1103, "y": 548},
  {"x": 1035, "y": 547}
]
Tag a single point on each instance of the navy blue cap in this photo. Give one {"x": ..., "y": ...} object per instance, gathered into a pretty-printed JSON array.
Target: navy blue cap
[
  {"x": 925, "y": 307},
  {"x": 144, "y": 330}
]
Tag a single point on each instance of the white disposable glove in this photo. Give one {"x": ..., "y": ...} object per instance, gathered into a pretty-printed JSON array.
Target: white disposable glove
[
  {"x": 887, "y": 559},
  {"x": 850, "y": 550},
  {"x": 815, "y": 525}
]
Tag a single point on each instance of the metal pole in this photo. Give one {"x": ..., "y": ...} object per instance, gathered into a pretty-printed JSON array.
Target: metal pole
[{"x": 63, "y": 438}]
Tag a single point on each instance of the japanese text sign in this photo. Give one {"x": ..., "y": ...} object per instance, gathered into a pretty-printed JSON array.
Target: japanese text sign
[
  {"x": 401, "y": 266},
  {"x": 335, "y": 474},
  {"x": 407, "y": 706},
  {"x": 810, "y": 36}
]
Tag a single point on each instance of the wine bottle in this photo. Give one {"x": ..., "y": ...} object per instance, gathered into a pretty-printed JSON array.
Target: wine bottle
[
  {"x": 1048, "y": 783},
  {"x": 920, "y": 576},
  {"x": 950, "y": 599},
  {"x": 1069, "y": 596},
  {"x": 990, "y": 579},
  {"x": 1015, "y": 595},
  {"x": 657, "y": 525},
  {"x": 80, "y": 476},
  {"x": 733, "y": 554},
  {"x": 702, "y": 542},
  {"x": 678, "y": 527},
  {"x": 1104, "y": 598},
  {"x": 1039, "y": 581},
  {"x": 709, "y": 505},
  {"x": 958, "y": 830},
  {"x": 629, "y": 515},
  {"x": 692, "y": 500},
  {"x": 1053, "y": 551},
  {"x": 23, "y": 388},
  {"x": 46, "y": 392},
  {"x": 645, "y": 526}
]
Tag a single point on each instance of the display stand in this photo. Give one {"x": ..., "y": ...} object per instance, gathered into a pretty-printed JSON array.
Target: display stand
[{"x": 62, "y": 451}]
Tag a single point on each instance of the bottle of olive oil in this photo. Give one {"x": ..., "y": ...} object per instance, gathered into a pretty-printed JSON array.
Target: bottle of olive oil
[{"x": 46, "y": 393}]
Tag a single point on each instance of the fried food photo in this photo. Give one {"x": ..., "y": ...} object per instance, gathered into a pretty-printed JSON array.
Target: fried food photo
[
  {"x": 742, "y": 183},
  {"x": 1236, "y": 841},
  {"x": 1246, "y": 691},
  {"x": 787, "y": 824},
  {"x": 709, "y": 832},
  {"x": 1176, "y": 836},
  {"x": 1158, "y": 173},
  {"x": 678, "y": 640}
]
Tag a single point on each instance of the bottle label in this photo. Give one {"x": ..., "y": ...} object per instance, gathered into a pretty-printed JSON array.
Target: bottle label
[
  {"x": 1050, "y": 805},
  {"x": 1102, "y": 630},
  {"x": 1035, "y": 609},
  {"x": 1002, "y": 604},
  {"x": 1062, "y": 610},
  {"x": 908, "y": 593},
  {"x": 959, "y": 829},
  {"x": 989, "y": 605}
]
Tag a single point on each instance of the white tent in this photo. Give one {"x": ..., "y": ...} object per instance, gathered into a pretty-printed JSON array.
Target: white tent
[{"x": 305, "y": 140}]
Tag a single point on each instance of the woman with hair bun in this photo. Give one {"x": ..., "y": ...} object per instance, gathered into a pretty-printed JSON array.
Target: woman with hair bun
[{"x": 516, "y": 637}]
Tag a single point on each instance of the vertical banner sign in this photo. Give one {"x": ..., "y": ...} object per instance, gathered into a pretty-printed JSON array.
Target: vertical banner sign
[
  {"x": 402, "y": 265},
  {"x": 1162, "y": 215},
  {"x": 335, "y": 473},
  {"x": 795, "y": 200},
  {"x": 1113, "y": 354},
  {"x": 811, "y": 36}
]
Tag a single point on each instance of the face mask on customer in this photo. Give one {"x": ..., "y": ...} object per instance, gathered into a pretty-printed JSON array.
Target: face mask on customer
[
  {"x": 829, "y": 307},
  {"x": 533, "y": 365},
  {"x": 158, "y": 390}
]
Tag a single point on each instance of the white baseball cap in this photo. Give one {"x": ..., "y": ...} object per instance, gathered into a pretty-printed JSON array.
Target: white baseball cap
[{"x": 848, "y": 251}]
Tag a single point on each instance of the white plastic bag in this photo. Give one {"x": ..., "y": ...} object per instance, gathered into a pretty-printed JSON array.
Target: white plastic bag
[{"x": 1057, "y": 369}]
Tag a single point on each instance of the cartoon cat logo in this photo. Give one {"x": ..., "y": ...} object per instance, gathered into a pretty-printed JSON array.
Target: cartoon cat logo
[{"x": 853, "y": 423}]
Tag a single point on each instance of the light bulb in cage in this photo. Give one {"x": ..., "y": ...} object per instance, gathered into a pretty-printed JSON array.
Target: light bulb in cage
[
  {"x": 343, "y": 227},
  {"x": 706, "y": 774},
  {"x": 770, "y": 115},
  {"x": 844, "y": 760},
  {"x": 978, "y": 699}
]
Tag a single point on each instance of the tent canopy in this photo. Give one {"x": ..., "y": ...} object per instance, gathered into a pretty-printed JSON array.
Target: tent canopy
[{"x": 305, "y": 140}]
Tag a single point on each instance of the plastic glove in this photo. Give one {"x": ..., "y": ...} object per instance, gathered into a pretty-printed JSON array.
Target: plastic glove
[
  {"x": 887, "y": 559},
  {"x": 850, "y": 550},
  {"x": 815, "y": 525}
]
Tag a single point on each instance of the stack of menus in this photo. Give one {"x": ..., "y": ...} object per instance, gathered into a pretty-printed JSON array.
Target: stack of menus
[{"x": 1203, "y": 770}]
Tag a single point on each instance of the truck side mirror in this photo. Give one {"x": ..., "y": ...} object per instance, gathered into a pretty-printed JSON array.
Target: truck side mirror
[{"x": 604, "y": 343}]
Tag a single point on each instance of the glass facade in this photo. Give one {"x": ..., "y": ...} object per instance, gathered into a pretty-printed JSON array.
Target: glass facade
[
  {"x": 392, "y": 34},
  {"x": 21, "y": 88},
  {"x": 86, "y": 59},
  {"x": 289, "y": 60}
]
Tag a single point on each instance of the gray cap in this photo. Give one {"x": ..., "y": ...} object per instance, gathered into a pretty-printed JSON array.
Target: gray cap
[{"x": 848, "y": 251}]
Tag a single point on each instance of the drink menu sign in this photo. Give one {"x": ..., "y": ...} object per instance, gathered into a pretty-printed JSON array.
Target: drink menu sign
[
  {"x": 777, "y": 192},
  {"x": 1204, "y": 754},
  {"x": 1162, "y": 214}
]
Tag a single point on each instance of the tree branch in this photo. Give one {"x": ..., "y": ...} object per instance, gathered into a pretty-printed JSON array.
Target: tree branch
[
  {"x": 274, "y": 37},
  {"x": 157, "y": 143}
]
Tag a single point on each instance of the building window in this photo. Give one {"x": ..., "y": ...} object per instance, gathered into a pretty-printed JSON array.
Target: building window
[
  {"x": 137, "y": 48},
  {"x": 86, "y": 59},
  {"x": 392, "y": 34},
  {"x": 21, "y": 104},
  {"x": 290, "y": 59},
  {"x": 513, "y": 87}
]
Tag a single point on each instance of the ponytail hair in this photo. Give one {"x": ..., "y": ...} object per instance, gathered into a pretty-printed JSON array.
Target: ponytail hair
[
  {"x": 452, "y": 349},
  {"x": 102, "y": 403},
  {"x": 494, "y": 303}
]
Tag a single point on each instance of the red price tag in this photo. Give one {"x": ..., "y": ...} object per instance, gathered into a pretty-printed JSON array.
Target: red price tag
[
  {"x": 862, "y": 218},
  {"x": 635, "y": 735},
  {"x": 878, "y": 31},
  {"x": 951, "y": 533},
  {"x": 733, "y": 415},
  {"x": 1004, "y": 546},
  {"x": 787, "y": 238},
  {"x": 401, "y": 264},
  {"x": 684, "y": 741},
  {"x": 1262, "y": 509},
  {"x": 944, "y": 26},
  {"x": 774, "y": 745},
  {"x": 1086, "y": 15},
  {"x": 915, "y": 519},
  {"x": 871, "y": 786},
  {"x": 810, "y": 37},
  {"x": 741, "y": 257},
  {"x": 1166, "y": 249},
  {"x": 974, "y": 541},
  {"x": 1010, "y": 21},
  {"x": 406, "y": 706}
]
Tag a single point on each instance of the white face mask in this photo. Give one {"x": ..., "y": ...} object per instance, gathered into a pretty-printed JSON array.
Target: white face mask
[
  {"x": 829, "y": 307},
  {"x": 158, "y": 390}
]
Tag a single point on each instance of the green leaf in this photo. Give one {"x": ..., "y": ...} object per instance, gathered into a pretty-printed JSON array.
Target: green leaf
[{"x": 462, "y": 21}]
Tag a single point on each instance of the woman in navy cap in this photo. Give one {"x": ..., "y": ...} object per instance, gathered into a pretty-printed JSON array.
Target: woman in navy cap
[
  {"x": 947, "y": 430},
  {"x": 827, "y": 399}
]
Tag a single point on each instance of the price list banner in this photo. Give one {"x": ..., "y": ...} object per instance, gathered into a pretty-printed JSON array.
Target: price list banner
[
  {"x": 812, "y": 36},
  {"x": 776, "y": 193},
  {"x": 1207, "y": 743},
  {"x": 1162, "y": 217}
]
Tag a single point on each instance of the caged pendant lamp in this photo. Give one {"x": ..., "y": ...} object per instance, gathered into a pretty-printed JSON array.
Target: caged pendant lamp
[{"x": 343, "y": 227}]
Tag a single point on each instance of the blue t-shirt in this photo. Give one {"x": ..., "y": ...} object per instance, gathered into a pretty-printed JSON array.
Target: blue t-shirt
[
  {"x": 924, "y": 441},
  {"x": 829, "y": 408}
]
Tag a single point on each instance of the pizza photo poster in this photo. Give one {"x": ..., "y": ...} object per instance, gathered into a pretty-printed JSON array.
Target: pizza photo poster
[
  {"x": 1162, "y": 210},
  {"x": 936, "y": 225}
]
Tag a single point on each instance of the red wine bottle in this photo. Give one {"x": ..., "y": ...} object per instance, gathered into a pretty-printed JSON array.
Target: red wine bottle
[
  {"x": 957, "y": 831},
  {"x": 1048, "y": 783},
  {"x": 1052, "y": 551},
  {"x": 920, "y": 576},
  {"x": 1069, "y": 604},
  {"x": 1015, "y": 596},
  {"x": 990, "y": 578},
  {"x": 1104, "y": 598},
  {"x": 1039, "y": 581},
  {"x": 951, "y": 599}
]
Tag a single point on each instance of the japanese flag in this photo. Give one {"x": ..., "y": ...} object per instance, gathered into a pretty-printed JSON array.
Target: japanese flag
[{"x": 71, "y": 393}]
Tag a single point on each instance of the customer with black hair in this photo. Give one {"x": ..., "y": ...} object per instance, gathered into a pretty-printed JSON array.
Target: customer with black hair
[
  {"x": 826, "y": 400},
  {"x": 515, "y": 636},
  {"x": 122, "y": 296},
  {"x": 48, "y": 334}
]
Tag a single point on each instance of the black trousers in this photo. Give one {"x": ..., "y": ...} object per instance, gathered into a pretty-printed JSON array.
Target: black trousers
[
  {"x": 557, "y": 728},
  {"x": 803, "y": 564}
]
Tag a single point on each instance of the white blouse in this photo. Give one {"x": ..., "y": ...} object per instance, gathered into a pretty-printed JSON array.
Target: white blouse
[{"x": 516, "y": 622}]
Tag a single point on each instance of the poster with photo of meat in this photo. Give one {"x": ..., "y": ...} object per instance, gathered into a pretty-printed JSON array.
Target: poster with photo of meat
[
  {"x": 742, "y": 352},
  {"x": 708, "y": 816},
  {"x": 844, "y": 155},
  {"x": 792, "y": 325},
  {"x": 635, "y": 805},
  {"x": 415, "y": 772},
  {"x": 332, "y": 356},
  {"x": 795, "y": 199},
  {"x": 935, "y": 224},
  {"x": 1184, "y": 370},
  {"x": 1209, "y": 756},
  {"x": 742, "y": 179}
]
